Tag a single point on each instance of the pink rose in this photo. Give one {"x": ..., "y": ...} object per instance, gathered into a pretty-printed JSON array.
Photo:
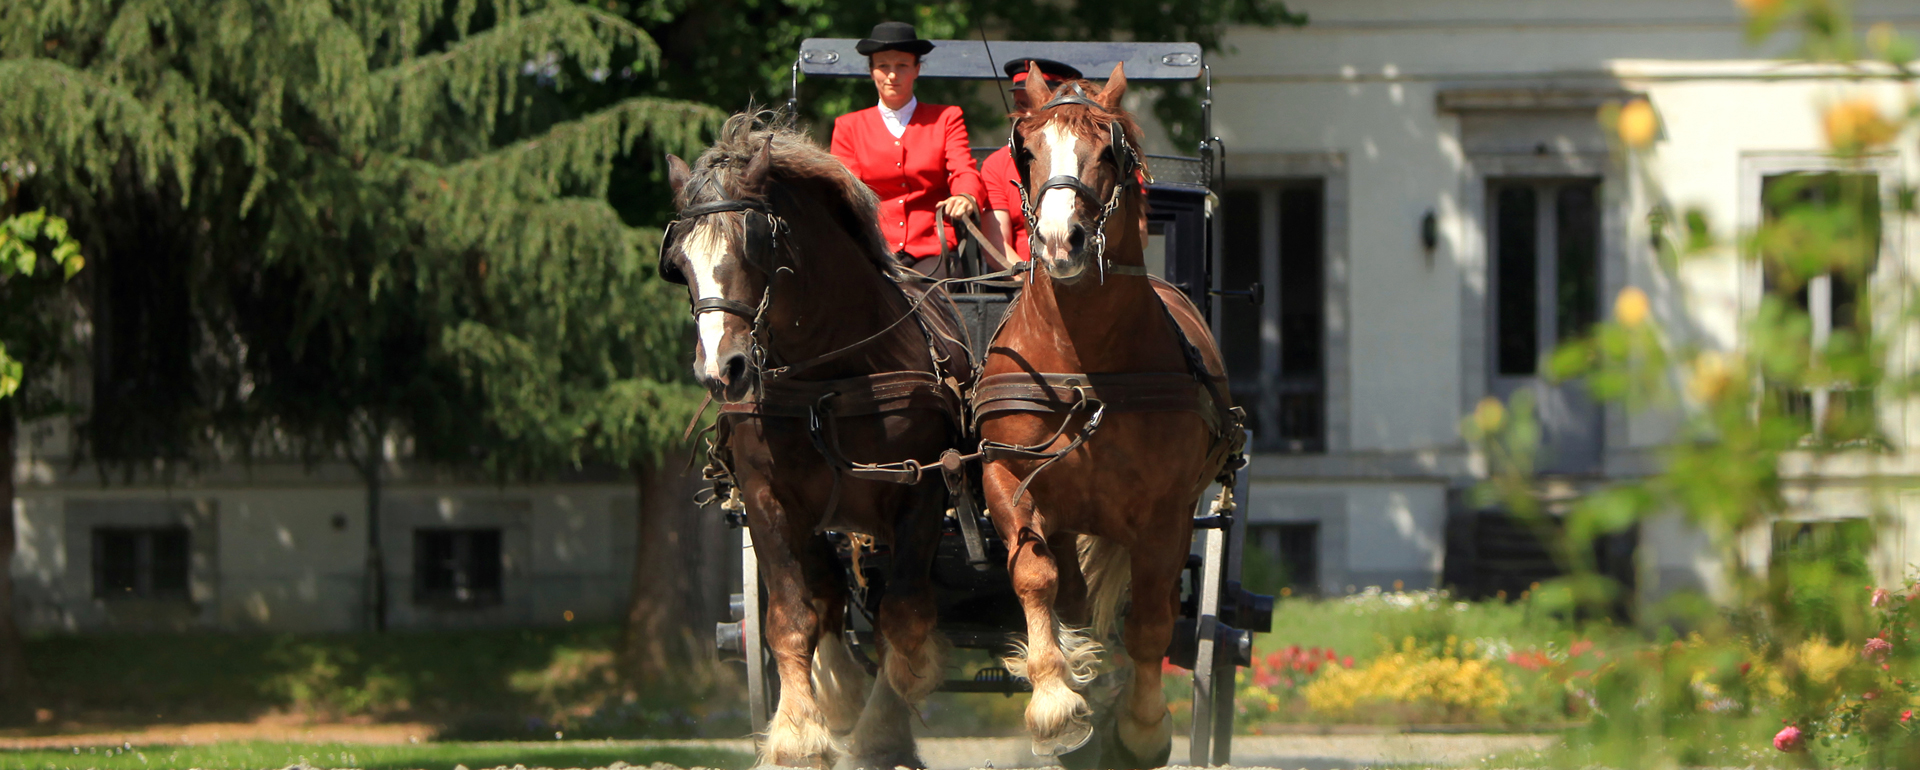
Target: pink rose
[
  {"x": 1876, "y": 649},
  {"x": 1881, "y": 597},
  {"x": 1789, "y": 739}
]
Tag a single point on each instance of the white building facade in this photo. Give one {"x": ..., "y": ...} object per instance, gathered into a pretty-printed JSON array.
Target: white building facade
[{"x": 1429, "y": 198}]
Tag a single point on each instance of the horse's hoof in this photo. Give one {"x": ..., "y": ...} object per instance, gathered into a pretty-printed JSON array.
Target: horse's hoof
[
  {"x": 1090, "y": 756},
  {"x": 1120, "y": 756},
  {"x": 1072, "y": 735}
]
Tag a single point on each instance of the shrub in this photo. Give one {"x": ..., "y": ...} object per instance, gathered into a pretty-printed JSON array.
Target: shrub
[{"x": 1414, "y": 681}]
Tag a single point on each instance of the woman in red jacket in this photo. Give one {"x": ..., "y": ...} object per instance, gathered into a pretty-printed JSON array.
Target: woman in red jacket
[{"x": 914, "y": 155}]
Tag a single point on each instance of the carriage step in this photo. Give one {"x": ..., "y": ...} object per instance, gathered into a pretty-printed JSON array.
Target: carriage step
[
  {"x": 1213, "y": 521},
  {"x": 989, "y": 680}
]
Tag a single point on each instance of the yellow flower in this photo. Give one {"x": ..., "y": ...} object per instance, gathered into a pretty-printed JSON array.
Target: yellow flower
[
  {"x": 1631, "y": 307},
  {"x": 1489, "y": 415},
  {"x": 1856, "y": 124},
  {"x": 1820, "y": 661},
  {"x": 1711, "y": 375},
  {"x": 1411, "y": 676},
  {"x": 1637, "y": 124}
]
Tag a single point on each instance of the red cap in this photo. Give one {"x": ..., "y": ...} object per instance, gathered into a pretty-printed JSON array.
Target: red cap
[{"x": 1020, "y": 78}]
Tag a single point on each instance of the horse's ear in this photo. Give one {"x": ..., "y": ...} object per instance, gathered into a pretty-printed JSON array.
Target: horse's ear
[
  {"x": 677, "y": 173},
  {"x": 1037, "y": 92},
  {"x": 1116, "y": 88},
  {"x": 756, "y": 176}
]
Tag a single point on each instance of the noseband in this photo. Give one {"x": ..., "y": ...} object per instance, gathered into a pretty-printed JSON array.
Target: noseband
[{"x": 1126, "y": 161}]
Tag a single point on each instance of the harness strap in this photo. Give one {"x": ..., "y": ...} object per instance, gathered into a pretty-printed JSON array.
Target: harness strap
[
  {"x": 823, "y": 403},
  {"x": 1117, "y": 393},
  {"x": 719, "y": 206},
  {"x": 861, "y": 396},
  {"x": 913, "y": 310},
  {"x": 724, "y": 305}
]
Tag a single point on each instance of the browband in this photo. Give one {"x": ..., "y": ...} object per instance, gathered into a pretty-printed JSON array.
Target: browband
[
  {"x": 1073, "y": 99},
  {"x": 717, "y": 207}
]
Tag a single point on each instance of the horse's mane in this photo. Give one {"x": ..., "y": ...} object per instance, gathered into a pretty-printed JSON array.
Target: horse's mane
[
  {"x": 799, "y": 166},
  {"x": 1086, "y": 122}
]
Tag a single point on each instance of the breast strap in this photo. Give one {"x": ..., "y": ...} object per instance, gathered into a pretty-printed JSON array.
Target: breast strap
[
  {"x": 823, "y": 403},
  {"x": 1117, "y": 393},
  {"x": 867, "y": 394}
]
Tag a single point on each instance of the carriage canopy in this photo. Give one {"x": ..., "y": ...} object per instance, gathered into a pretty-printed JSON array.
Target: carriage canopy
[{"x": 834, "y": 57}]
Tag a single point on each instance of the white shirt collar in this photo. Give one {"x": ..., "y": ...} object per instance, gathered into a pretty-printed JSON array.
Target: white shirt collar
[{"x": 896, "y": 120}]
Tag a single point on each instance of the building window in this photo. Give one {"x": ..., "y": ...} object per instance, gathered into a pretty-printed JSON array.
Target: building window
[
  {"x": 1840, "y": 213},
  {"x": 140, "y": 563},
  {"x": 1547, "y": 268},
  {"x": 1282, "y": 556},
  {"x": 1275, "y": 234},
  {"x": 1819, "y": 558},
  {"x": 456, "y": 567},
  {"x": 1544, "y": 276}
]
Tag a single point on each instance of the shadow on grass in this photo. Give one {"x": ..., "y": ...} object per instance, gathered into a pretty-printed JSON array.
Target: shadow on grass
[{"x": 425, "y": 756}]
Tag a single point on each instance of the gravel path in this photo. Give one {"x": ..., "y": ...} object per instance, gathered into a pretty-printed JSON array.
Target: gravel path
[{"x": 1284, "y": 752}]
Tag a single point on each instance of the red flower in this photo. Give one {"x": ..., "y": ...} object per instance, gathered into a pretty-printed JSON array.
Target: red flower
[
  {"x": 1906, "y": 715},
  {"x": 1789, "y": 739},
  {"x": 1346, "y": 662},
  {"x": 1579, "y": 648}
]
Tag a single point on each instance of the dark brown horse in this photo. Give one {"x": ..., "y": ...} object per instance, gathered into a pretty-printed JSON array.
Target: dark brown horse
[
  {"x": 829, "y": 382},
  {"x": 1104, "y": 417}
]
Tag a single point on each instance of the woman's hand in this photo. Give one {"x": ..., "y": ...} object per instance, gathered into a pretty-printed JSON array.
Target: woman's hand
[{"x": 958, "y": 206}]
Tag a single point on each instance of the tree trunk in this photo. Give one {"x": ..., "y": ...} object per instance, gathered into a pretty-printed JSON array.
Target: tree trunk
[
  {"x": 13, "y": 658},
  {"x": 682, "y": 573},
  {"x": 376, "y": 585}
]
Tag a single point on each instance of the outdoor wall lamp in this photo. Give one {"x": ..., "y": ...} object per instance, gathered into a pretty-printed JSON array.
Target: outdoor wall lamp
[{"x": 1429, "y": 234}]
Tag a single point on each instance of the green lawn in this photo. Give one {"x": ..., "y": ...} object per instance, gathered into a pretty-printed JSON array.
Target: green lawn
[{"x": 426, "y": 756}]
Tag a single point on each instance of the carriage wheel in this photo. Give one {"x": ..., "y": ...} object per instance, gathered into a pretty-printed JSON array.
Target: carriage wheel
[
  {"x": 762, "y": 689},
  {"x": 1218, "y": 654}
]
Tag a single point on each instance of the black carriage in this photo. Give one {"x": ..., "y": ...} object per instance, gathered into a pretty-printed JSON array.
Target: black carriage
[{"x": 978, "y": 609}]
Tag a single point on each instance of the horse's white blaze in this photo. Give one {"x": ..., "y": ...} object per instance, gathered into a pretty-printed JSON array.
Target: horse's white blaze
[
  {"x": 705, "y": 247},
  {"x": 1056, "y": 205}
]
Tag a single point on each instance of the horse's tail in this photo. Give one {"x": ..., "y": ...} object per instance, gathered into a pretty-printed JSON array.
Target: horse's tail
[{"x": 1108, "y": 568}]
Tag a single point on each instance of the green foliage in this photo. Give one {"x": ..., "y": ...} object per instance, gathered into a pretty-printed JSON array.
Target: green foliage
[
  {"x": 1807, "y": 641},
  {"x": 481, "y": 684},
  {"x": 374, "y": 217},
  {"x": 30, "y": 314}
]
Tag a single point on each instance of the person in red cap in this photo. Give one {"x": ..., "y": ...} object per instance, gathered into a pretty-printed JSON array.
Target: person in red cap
[
  {"x": 914, "y": 155},
  {"x": 1005, "y": 224}
]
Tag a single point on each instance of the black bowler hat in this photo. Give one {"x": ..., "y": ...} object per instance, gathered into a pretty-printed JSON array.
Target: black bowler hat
[
  {"x": 893, "y": 36},
  {"x": 1052, "y": 71}
]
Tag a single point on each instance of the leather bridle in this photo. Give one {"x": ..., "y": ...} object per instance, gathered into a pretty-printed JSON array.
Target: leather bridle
[
  {"x": 1126, "y": 161},
  {"x": 762, "y": 249}
]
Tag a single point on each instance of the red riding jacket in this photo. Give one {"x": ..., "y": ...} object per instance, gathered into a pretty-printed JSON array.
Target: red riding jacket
[
  {"x": 998, "y": 174},
  {"x": 911, "y": 174}
]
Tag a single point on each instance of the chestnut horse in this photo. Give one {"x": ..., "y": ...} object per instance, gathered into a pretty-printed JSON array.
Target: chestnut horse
[
  {"x": 1103, "y": 414},
  {"x": 831, "y": 378}
]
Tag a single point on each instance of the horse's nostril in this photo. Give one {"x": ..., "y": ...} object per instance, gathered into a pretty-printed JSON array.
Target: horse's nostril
[
  {"x": 1077, "y": 239},
  {"x": 735, "y": 369}
]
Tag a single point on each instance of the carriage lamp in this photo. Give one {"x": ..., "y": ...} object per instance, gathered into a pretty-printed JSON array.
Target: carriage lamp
[{"x": 1429, "y": 234}]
